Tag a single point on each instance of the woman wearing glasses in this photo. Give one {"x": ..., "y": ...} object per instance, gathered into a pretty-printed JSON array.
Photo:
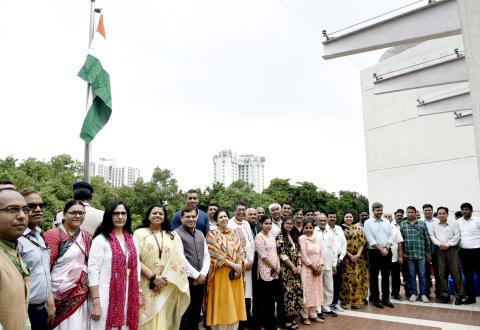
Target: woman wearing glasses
[
  {"x": 69, "y": 248},
  {"x": 114, "y": 272},
  {"x": 164, "y": 282}
]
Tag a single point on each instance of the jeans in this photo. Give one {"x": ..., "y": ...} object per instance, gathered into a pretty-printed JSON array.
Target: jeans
[{"x": 417, "y": 266}]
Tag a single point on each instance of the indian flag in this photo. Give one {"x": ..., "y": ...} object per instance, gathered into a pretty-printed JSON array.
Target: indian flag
[{"x": 99, "y": 103}]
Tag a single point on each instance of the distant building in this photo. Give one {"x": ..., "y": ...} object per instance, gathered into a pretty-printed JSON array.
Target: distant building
[
  {"x": 114, "y": 174},
  {"x": 228, "y": 167}
]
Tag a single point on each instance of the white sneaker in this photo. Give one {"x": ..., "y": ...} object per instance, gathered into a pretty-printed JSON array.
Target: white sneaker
[
  {"x": 413, "y": 298},
  {"x": 337, "y": 308},
  {"x": 425, "y": 299}
]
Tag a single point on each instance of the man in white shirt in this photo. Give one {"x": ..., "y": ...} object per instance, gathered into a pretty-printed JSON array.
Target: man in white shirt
[
  {"x": 397, "y": 257},
  {"x": 341, "y": 250},
  {"x": 330, "y": 257},
  {"x": 469, "y": 249},
  {"x": 275, "y": 215},
  {"x": 446, "y": 236},
  {"x": 242, "y": 227}
]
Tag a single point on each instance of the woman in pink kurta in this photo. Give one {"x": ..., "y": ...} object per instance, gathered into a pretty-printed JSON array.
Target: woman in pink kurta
[{"x": 311, "y": 250}]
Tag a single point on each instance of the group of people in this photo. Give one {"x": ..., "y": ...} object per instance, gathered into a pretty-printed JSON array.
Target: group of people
[{"x": 249, "y": 271}]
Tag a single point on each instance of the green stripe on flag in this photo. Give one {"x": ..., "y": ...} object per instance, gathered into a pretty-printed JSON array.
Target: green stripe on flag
[{"x": 101, "y": 108}]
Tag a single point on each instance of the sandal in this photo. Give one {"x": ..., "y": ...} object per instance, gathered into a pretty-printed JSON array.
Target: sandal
[
  {"x": 295, "y": 325},
  {"x": 289, "y": 326},
  {"x": 317, "y": 319},
  {"x": 306, "y": 321}
]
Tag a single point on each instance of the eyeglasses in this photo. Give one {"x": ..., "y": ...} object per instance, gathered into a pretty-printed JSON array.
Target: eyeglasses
[
  {"x": 13, "y": 209},
  {"x": 77, "y": 213},
  {"x": 33, "y": 206},
  {"x": 117, "y": 214}
]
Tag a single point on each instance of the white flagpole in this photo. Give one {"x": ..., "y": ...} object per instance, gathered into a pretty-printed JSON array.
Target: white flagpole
[{"x": 88, "y": 149}]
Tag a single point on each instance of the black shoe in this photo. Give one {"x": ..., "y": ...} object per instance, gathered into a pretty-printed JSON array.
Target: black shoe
[
  {"x": 397, "y": 297},
  {"x": 387, "y": 303},
  {"x": 458, "y": 301},
  {"x": 321, "y": 316},
  {"x": 365, "y": 301},
  {"x": 445, "y": 300},
  {"x": 378, "y": 304},
  {"x": 332, "y": 313},
  {"x": 469, "y": 300}
]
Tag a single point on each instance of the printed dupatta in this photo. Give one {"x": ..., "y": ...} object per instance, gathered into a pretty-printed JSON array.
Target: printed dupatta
[
  {"x": 223, "y": 246},
  {"x": 67, "y": 302}
]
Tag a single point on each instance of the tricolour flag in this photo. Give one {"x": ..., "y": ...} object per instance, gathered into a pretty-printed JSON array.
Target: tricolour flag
[{"x": 99, "y": 95}]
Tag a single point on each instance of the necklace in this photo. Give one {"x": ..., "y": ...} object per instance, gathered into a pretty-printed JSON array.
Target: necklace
[
  {"x": 158, "y": 245},
  {"x": 17, "y": 263}
]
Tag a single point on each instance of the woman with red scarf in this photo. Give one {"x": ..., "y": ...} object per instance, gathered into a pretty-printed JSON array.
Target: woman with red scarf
[
  {"x": 69, "y": 249},
  {"x": 114, "y": 272}
]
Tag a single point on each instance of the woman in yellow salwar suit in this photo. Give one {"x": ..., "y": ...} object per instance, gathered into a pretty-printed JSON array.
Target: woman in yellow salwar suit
[
  {"x": 225, "y": 302},
  {"x": 164, "y": 284}
]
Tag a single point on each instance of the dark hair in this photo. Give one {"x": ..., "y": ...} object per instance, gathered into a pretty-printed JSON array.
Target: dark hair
[
  {"x": 308, "y": 211},
  {"x": 6, "y": 181},
  {"x": 306, "y": 222},
  {"x": 217, "y": 213},
  {"x": 466, "y": 206},
  {"x": 188, "y": 209},
  {"x": 331, "y": 212},
  {"x": 213, "y": 204},
  {"x": 427, "y": 206},
  {"x": 82, "y": 194},
  {"x": 458, "y": 214},
  {"x": 412, "y": 208},
  {"x": 70, "y": 203},
  {"x": 442, "y": 208},
  {"x": 293, "y": 233},
  {"x": 237, "y": 203},
  {"x": 106, "y": 226},
  {"x": 297, "y": 210},
  {"x": 286, "y": 203},
  {"x": 165, "y": 225},
  {"x": 263, "y": 218},
  {"x": 191, "y": 191},
  {"x": 400, "y": 211},
  {"x": 348, "y": 212},
  {"x": 29, "y": 191}
]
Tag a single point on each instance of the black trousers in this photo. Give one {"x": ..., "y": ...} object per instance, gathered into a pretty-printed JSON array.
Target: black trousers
[
  {"x": 191, "y": 317},
  {"x": 405, "y": 278},
  {"x": 395, "y": 273},
  {"x": 268, "y": 292},
  {"x": 379, "y": 264},
  {"x": 248, "y": 323},
  {"x": 337, "y": 282},
  {"x": 38, "y": 317},
  {"x": 429, "y": 272},
  {"x": 256, "y": 294},
  {"x": 470, "y": 264}
]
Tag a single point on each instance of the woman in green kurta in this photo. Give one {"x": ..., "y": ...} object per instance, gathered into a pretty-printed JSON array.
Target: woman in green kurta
[{"x": 355, "y": 266}]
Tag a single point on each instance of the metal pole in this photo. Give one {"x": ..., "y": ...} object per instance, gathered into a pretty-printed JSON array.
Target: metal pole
[{"x": 88, "y": 149}]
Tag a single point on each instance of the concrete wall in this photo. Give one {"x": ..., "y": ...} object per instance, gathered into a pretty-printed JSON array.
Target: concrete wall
[{"x": 413, "y": 160}]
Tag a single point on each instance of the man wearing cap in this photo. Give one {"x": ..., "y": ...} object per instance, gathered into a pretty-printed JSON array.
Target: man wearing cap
[{"x": 83, "y": 191}]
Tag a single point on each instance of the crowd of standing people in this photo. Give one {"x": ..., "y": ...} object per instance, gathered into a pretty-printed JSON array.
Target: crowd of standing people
[{"x": 254, "y": 270}]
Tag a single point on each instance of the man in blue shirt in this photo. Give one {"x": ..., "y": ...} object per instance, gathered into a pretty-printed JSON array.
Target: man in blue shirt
[
  {"x": 191, "y": 202},
  {"x": 380, "y": 236}
]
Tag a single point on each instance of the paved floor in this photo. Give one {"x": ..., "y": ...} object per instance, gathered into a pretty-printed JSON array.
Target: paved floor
[{"x": 405, "y": 316}]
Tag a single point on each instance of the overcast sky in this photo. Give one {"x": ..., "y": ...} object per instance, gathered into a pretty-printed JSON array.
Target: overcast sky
[{"x": 190, "y": 78}]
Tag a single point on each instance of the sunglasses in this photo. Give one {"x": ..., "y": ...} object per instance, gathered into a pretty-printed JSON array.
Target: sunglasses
[
  {"x": 33, "y": 206},
  {"x": 116, "y": 214}
]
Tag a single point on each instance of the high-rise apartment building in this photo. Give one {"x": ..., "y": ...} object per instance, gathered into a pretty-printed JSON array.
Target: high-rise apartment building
[
  {"x": 116, "y": 175},
  {"x": 228, "y": 167}
]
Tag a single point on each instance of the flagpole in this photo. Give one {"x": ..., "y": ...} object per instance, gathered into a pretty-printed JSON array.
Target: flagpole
[{"x": 88, "y": 149}]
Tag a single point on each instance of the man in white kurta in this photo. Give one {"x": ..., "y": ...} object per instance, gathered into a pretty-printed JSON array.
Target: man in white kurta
[
  {"x": 330, "y": 256},
  {"x": 242, "y": 227}
]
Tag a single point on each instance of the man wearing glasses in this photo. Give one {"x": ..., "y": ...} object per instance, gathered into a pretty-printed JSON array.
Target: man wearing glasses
[
  {"x": 13, "y": 271},
  {"x": 36, "y": 255}
]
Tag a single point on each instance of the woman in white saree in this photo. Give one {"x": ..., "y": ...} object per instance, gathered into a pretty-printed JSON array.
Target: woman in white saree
[{"x": 70, "y": 245}]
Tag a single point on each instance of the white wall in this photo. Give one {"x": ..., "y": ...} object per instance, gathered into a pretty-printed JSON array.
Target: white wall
[{"x": 413, "y": 160}]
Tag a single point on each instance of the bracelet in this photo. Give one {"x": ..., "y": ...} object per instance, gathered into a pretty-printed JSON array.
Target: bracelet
[{"x": 153, "y": 278}]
